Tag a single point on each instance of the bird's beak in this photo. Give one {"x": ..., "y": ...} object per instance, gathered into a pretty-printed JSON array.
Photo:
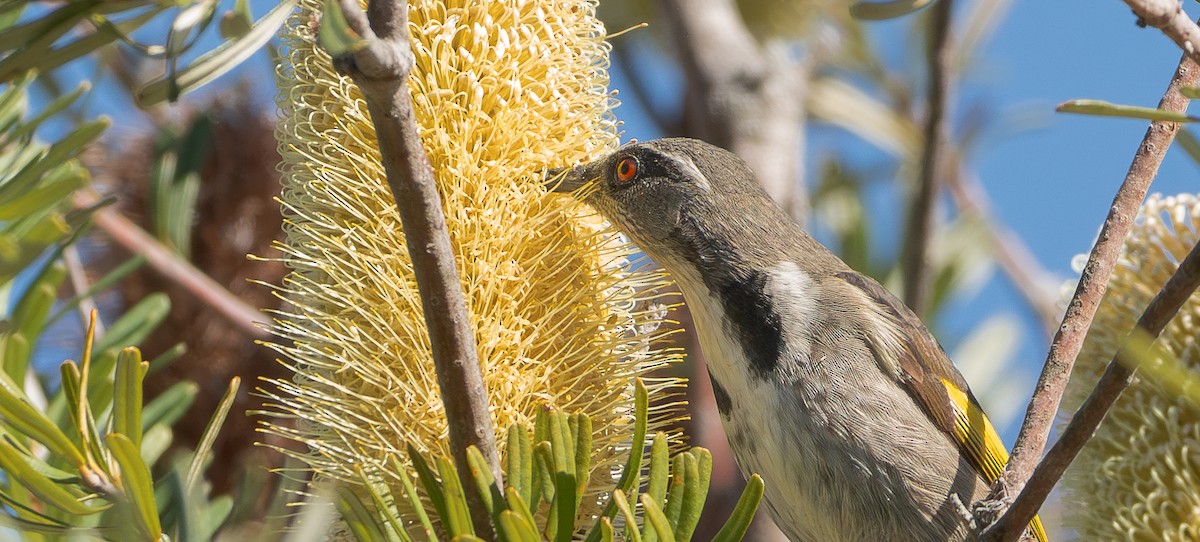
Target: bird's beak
[{"x": 565, "y": 180}]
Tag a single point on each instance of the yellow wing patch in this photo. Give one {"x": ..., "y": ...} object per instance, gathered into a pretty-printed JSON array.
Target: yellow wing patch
[{"x": 983, "y": 447}]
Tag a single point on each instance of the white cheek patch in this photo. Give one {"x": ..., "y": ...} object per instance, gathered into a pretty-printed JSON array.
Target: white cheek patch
[
  {"x": 689, "y": 168},
  {"x": 794, "y": 294}
]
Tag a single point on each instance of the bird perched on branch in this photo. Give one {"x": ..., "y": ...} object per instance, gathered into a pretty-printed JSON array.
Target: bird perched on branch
[{"x": 827, "y": 385}]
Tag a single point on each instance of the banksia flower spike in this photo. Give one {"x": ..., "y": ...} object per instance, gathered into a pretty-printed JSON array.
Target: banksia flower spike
[
  {"x": 1139, "y": 476},
  {"x": 501, "y": 90}
]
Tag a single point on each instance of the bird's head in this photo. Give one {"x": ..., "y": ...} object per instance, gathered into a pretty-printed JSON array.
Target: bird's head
[{"x": 667, "y": 192}]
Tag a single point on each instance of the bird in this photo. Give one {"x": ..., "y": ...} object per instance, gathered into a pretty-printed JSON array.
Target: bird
[{"x": 826, "y": 384}]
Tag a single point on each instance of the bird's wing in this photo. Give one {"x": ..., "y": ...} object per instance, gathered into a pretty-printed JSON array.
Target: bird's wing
[{"x": 925, "y": 370}]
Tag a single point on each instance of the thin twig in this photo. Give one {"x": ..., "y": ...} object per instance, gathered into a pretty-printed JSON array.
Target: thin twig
[
  {"x": 1013, "y": 255},
  {"x": 919, "y": 229},
  {"x": 381, "y": 69},
  {"x": 79, "y": 285},
  {"x": 171, "y": 266},
  {"x": 1093, "y": 281},
  {"x": 1169, "y": 17},
  {"x": 1116, "y": 378}
]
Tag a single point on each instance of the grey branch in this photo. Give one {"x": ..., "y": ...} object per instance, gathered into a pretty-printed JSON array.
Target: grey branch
[
  {"x": 742, "y": 96},
  {"x": 1169, "y": 17},
  {"x": 1116, "y": 378},
  {"x": 915, "y": 254},
  {"x": 381, "y": 72},
  {"x": 1039, "y": 416},
  {"x": 168, "y": 263}
]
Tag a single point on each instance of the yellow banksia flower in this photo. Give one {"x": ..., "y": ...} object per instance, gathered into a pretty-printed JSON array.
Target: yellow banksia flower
[
  {"x": 1139, "y": 476},
  {"x": 562, "y": 316}
]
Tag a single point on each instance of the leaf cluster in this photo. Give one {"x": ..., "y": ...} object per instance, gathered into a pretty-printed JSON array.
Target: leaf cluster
[{"x": 546, "y": 476}]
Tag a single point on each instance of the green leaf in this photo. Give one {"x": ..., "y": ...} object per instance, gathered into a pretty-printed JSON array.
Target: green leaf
[
  {"x": 678, "y": 489},
  {"x": 382, "y": 508},
  {"x": 519, "y": 470},
  {"x": 15, "y": 466},
  {"x": 606, "y": 530},
  {"x": 127, "y": 398},
  {"x": 659, "y": 468},
  {"x": 29, "y": 421},
  {"x": 48, "y": 27},
  {"x": 432, "y": 487},
  {"x": 136, "y": 323},
  {"x": 414, "y": 500},
  {"x": 515, "y": 528},
  {"x": 39, "y": 55},
  {"x": 1190, "y": 92},
  {"x": 51, "y": 192},
  {"x": 218, "y": 61},
  {"x": 657, "y": 520},
  {"x": 485, "y": 483},
  {"x": 170, "y": 405},
  {"x": 335, "y": 34},
  {"x": 583, "y": 454},
  {"x": 238, "y": 21},
  {"x": 1107, "y": 109},
  {"x": 632, "y": 472},
  {"x": 743, "y": 513},
  {"x": 518, "y": 505},
  {"x": 50, "y": 110},
  {"x": 458, "y": 516},
  {"x": 121, "y": 271},
  {"x": 631, "y": 526},
  {"x": 139, "y": 486},
  {"x": 363, "y": 524},
  {"x": 877, "y": 11},
  {"x": 699, "y": 475},
  {"x": 204, "y": 448}
]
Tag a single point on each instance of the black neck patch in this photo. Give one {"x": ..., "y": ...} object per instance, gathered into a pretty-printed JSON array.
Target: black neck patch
[
  {"x": 724, "y": 403},
  {"x": 741, "y": 288}
]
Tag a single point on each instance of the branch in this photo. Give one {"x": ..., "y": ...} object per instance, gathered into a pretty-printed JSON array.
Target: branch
[
  {"x": 1169, "y": 17},
  {"x": 915, "y": 251},
  {"x": 741, "y": 96},
  {"x": 175, "y": 268},
  {"x": 1039, "y": 416},
  {"x": 1117, "y": 376},
  {"x": 380, "y": 69}
]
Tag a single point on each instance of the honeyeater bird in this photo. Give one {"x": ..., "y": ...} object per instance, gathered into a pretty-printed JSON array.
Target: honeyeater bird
[{"x": 828, "y": 386}]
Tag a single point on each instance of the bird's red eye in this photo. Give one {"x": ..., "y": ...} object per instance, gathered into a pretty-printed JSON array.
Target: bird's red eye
[{"x": 627, "y": 169}]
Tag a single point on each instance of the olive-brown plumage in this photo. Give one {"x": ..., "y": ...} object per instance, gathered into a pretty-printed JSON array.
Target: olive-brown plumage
[{"x": 828, "y": 386}]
